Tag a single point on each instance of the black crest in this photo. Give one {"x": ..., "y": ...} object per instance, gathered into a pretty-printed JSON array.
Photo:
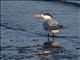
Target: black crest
[{"x": 48, "y": 14}]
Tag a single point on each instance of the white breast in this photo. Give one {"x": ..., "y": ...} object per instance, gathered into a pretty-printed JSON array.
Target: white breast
[{"x": 55, "y": 31}]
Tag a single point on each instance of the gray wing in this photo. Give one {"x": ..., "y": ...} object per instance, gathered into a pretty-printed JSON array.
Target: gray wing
[
  {"x": 52, "y": 26},
  {"x": 55, "y": 27},
  {"x": 46, "y": 25}
]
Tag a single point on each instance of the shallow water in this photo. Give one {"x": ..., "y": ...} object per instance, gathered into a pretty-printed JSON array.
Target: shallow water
[{"x": 22, "y": 34}]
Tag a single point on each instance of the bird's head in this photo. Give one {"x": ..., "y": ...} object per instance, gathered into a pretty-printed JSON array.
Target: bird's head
[{"x": 45, "y": 16}]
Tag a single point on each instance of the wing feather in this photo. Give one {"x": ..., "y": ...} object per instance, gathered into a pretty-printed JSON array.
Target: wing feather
[{"x": 51, "y": 27}]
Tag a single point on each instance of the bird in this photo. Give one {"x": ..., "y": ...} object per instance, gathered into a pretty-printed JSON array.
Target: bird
[{"x": 50, "y": 24}]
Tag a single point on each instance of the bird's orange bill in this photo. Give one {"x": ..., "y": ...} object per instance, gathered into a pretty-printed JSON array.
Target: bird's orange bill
[{"x": 38, "y": 15}]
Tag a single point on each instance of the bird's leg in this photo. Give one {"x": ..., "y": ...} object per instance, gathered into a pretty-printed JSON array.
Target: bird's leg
[
  {"x": 53, "y": 37},
  {"x": 48, "y": 36}
]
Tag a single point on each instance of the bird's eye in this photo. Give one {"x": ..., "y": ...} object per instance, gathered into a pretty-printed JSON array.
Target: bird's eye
[{"x": 45, "y": 14}]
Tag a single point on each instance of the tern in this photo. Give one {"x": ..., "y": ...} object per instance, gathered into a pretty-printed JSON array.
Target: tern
[{"x": 50, "y": 24}]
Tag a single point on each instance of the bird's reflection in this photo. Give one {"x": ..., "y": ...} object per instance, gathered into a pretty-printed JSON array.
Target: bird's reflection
[
  {"x": 48, "y": 47},
  {"x": 54, "y": 51}
]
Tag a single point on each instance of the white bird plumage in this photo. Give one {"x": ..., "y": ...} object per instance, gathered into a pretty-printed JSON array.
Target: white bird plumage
[{"x": 49, "y": 24}]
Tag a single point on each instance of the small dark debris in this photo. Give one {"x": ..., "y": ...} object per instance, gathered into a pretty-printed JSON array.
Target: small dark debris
[
  {"x": 36, "y": 40},
  {"x": 3, "y": 43},
  {"x": 61, "y": 51},
  {"x": 78, "y": 48},
  {"x": 11, "y": 40},
  {"x": 10, "y": 57},
  {"x": 22, "y": 50}
]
